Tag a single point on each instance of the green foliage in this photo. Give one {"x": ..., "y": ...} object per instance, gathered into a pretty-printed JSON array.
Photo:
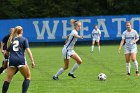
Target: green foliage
[{"x": 66, "y": 8}]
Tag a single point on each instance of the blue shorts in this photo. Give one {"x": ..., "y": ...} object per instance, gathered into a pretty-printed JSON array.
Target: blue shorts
[{"x": 17, "y": 62}]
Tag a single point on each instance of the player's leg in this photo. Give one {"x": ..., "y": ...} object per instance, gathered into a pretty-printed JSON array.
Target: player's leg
[
  {"x": 98, "y": 44},
  {"x": 78, "y": 60},
  {"x": 92, "y": 47},
  {"x": 25, "y": 71},
  {"x": 3, "y": 67},
  {"x": 127, "y": 58},
  {"x": 10, "y": 73},
  {"x": 134, "y": 60},
  {"x": 4, "y": 64},
  {"x": 66, "y": 57},
  {"x": 61, "y": 70}
]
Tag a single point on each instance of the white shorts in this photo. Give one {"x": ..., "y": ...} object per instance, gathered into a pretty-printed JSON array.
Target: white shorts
[
  {"x": 95, "y": 39},
  {"x": 130, "y": 51},
  {"x": 67, "y": 53}
]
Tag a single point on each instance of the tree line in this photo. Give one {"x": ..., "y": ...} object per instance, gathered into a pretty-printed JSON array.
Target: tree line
[{"x": 66, "y": 8}]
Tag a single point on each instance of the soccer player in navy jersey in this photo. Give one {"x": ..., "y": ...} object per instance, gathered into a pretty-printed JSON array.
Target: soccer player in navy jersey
[
  {"x": 3, "y": 50},
  {"x": 17, "y": 44},
  {"x": 68, "y": 51}
]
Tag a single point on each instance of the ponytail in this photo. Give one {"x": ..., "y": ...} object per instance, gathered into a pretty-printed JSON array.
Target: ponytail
[{"x": 73, "y": 22}]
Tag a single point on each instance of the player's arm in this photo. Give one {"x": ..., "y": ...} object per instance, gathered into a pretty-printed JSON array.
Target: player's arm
[
  {"x": 121, "y": 44},
  {"x": 30, "y": 56},
  {"x": 77, "y": 36},
  {"x": 67, "y": 39},
  {"x": 92, "y": 34},
  {"x": 2, "y": 44},
  {"x": 99, "y": 33},
  {"x": 137, "y": 38}
]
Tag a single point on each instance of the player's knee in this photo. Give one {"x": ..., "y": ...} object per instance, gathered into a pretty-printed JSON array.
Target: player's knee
[
  {"x": 79, "y": 62},
  {"x": 133, "y": 60},
  {"x": 66, "y": 67},
  {"x": 28, "y": 77}
]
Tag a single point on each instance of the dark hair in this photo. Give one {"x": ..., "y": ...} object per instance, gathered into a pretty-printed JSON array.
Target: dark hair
[
  {"x": 128, "y": 22},
  {"x": 95, "y": 25}
]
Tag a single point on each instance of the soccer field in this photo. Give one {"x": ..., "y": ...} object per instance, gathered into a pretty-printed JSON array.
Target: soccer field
[{"x": 49, "y": 60}]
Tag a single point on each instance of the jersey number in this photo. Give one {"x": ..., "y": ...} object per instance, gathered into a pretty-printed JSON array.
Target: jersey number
[{"x": 15, "y": 45}]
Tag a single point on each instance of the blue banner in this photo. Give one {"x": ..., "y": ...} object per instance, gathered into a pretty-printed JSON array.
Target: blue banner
[{"x": 56, "y": 29}]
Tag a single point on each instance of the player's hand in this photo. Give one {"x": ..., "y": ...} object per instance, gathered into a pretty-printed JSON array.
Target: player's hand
[
  {"x": 119, "y": 50},
  {"x": 3, "y": 52},
  {"x": 33, "y": 65},
  {"x": 81, "y": 37},
  {"x": 134, "y": 42}
]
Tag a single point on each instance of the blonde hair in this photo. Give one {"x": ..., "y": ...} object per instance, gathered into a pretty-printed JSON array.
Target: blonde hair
[
  {"x": 18, "y": 29},
  {"x": 15, "y": 31},
  {"x": 74, "y": 22}
]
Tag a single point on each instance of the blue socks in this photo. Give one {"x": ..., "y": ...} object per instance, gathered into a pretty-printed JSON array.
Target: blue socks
[
  {"x": 5, "y": 87},
  {"x": 25, "y": 85}
]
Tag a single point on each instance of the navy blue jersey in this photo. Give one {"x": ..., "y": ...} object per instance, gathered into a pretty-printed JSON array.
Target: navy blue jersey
[
  {"x": 4, "y": 41},
  {"x": 17, "y": 49}
]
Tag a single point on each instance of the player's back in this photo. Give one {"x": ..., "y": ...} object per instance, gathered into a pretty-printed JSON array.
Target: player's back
[{"x": 17, "y": 49}]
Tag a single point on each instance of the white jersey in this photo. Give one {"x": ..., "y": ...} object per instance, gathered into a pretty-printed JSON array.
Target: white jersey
[
  {"x": 96, "y": 34},
  {"x": 129, "y": 37},
  {"x": 71, "y": 40}
]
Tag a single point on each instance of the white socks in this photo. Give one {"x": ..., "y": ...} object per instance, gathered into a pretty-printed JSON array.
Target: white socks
[
  {"x": 136, "y": 65},
  {"x": 128, "y": 67},
  {"x": 60, "y": 71},
  {"x": 74, "y": 68},
  {"x": 92, "y": 48},
  {"x": 99, "y": 49}
]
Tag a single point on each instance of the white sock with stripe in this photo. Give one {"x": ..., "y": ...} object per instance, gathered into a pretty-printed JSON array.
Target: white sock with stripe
[
  {"x": 60, "y": 71},
  {"x": 99, "y": 49},
  {"x": 128, "y": 67},
  {"x": 74, "y": 68},
  {"x": 136, "y": 65},
  {"x": 92, "y": 48}
]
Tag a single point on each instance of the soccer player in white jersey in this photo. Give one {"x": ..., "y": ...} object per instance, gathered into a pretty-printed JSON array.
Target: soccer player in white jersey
[
  {"x": 96, "y": 34},
  {"x": 130, "y": 38},
  {"x": 68, "y": 51}
]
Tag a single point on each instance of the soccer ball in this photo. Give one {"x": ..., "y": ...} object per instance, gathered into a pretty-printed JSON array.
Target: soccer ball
[{"x": 102, "y": 76}]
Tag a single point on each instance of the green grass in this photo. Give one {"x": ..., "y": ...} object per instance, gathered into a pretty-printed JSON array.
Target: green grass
[{"x": 49, "y": 60}]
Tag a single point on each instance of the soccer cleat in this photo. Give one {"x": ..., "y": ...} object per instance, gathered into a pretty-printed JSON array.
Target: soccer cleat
[
  {"x": 128, "y": 74},
  {"x": 55, "y": 78},
  {"x": 1, "y": 70},
  {"x": 72, "y": 75},
  {"x": 137, "y": 73}
]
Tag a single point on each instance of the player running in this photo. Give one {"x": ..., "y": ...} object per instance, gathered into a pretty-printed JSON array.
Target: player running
[
  {"x": 17, "y": 45},
  {"x": 3, "y": 50},
  {"x": 96, "y": 34},
  {"x": 130, "y": 38},
  {"x": 68, "y": 51}
]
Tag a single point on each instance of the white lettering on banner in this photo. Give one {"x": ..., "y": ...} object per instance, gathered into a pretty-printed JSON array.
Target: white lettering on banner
[
  {"x": 45, "y": 27},
  {"x": 133, "y": 20},
  {"x": 101, "y": 22},
  {"x": 119, "y": 21},
  {"x": 65, "y": 28},
  {"x": 85, "y": 28}
]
